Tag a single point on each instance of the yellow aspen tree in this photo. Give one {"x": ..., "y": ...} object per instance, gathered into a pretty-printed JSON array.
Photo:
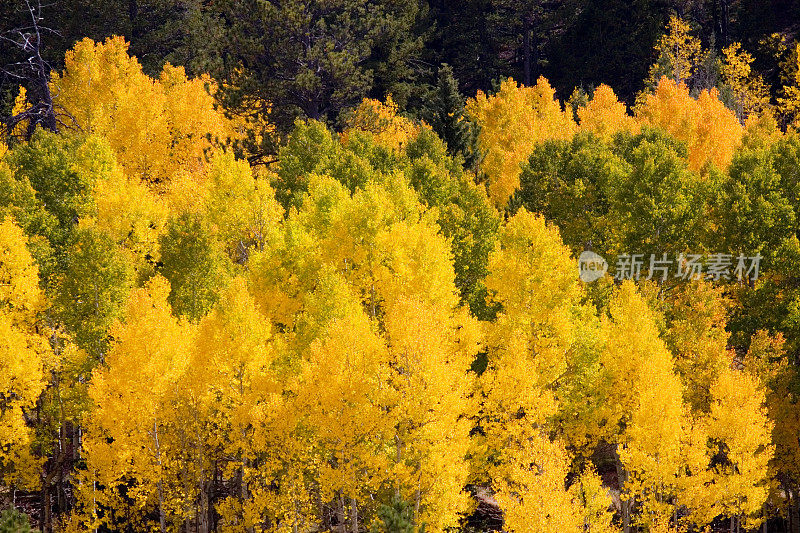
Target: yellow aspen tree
[
  {"x": 766, "y": 361},
  {"x": 534, "y": 279},
  {"x": 719, "y": 134},
  {"x": 747, "y": 92},
  {"x": 381, "y": 119},
  {"x": 679, "y": 53},
  {"x": 105, "y": 92},
  {"x": 389, "y": 255},
  {"x": 155, "y": 126},
  {"x": 594, "y": 497},
  {"x": 604, "y": 115},
  {"x": 131, "y": 214},
  {"x": 512, "y": 121},
  {"x": 23, "y": 355},
  {"x": 196, "y": 124},
  {"x": 531, "y": 490},
  {"x": 231, "y": 378},
  {"x": 740, "y": 430},
  {"x": 789, "y": 102},
  {"x": 127, "y": 429},
  {"x": 241, "y": 209},
  {"x": 344, "y": 402},
  {"x": 642, "y": 411},
  {"x": 402, "y": 267},
  {"x": 695, "y": 482},
  {"x": 761, "y": 131},
  {"x": 711, "y": 131},
  {"x": 20, "y": 296},
  {"x": 431, "y": 348},
  {"x": 728, "y": 450},
  {"x": 651, "y": 444},
  {"x": 20, "y": 106},
  {"x": 282, "y": 269},
  {"x": 696, "y": 316}
]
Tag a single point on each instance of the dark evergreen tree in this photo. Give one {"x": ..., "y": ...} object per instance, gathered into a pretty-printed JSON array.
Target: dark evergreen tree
[
  {"x": 611, "y": 42},
  {"x": 525, "y": 31},
  {"x": 445, "y": 114},
  {"x": 13, "y": 521},
  {"x": 463, "y": 40},
  {"x": 396, "y": 517},
  {"x": 313, "y": 59}
]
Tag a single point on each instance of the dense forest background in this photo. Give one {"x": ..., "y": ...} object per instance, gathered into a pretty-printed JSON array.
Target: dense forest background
[{"x": 316, "y": 59}]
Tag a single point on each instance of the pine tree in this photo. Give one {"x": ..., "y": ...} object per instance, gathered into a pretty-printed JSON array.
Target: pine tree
[
  {"x": 511, "y": 122},
  {"x": 679, "y": 54},
  {"x": 446, "y": 115},
  {"x": 397, "y": 516},
  {"x": 13, "y": 521}
]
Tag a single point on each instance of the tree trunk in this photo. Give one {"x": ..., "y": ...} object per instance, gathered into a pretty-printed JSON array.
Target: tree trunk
[
  {"x": 340, "y": 516},
  {"x": 354, "y": 515},
  {"x": 724, "y": 21},
  {"x": 625, "y": 505},
  {"x": 213, "y": 519},
  {"x": 715, "y": 20},
  {"x": 162, "y": 521},
  {"x": 295, "y": 526},
  {"x": 46, "y": 520},
  {"x": 47, "y": 483},
  {"x": 793, "y": 512},
  {"x": 202, "y": 515}
]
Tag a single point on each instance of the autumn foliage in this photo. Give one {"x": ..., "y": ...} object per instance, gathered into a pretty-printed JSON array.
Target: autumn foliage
[{"x": 189, "y": 342}]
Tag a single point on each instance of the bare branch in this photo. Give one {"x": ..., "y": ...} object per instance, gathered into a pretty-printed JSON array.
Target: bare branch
[{"x": 33, "y": 73}]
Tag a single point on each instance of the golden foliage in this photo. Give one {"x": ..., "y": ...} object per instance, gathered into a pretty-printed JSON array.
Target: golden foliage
[
  {"x": 512, "y": 121},
  {"x": 604, "y": 115},
  {"x": 679, "y": 53},
  {"x": 748, "y": 92},
  {"x": 156, "y": 127},
  {"x": 711, "y": 131},
  {"x": 23, "y": 354},
  {"x": 381, "y": 119},
  {"x": 789, "y": 102}
]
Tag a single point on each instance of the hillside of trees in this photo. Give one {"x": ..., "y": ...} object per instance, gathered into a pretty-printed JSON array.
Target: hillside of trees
[{"x": 317, "y": 266}]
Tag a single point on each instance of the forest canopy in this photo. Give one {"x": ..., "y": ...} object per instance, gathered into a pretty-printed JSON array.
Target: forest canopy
[{"x": 323, "y": 266}]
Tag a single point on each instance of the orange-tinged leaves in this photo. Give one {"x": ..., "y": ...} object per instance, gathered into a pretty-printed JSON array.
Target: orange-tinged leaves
[
  {"x": 711, "y": 131},
  {"x": 382, "y": 120},
  {"x": 604, "y": 115},
  {"x": 512, "y": 121},
  {"x": 155, "y": 126}
]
